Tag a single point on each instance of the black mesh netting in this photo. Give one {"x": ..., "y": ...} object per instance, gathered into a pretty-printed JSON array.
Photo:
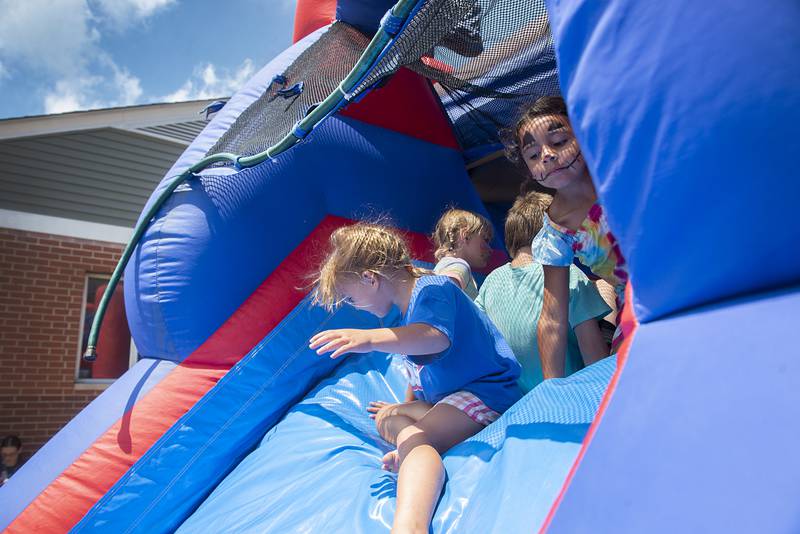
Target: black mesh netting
[
  {"x": 489, "y": 57},
  {"x": 320, "y": 69}
]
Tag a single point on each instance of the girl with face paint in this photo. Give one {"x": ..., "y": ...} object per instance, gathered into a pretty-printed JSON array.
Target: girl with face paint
[{"x": 574, "y": 228}]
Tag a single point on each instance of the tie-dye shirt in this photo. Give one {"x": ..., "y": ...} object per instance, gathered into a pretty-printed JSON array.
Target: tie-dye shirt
[{"x": 592, "y": 243}]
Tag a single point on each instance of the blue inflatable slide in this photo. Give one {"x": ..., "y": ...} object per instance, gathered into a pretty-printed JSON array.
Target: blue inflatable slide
[{"x": 688, "y": 116}]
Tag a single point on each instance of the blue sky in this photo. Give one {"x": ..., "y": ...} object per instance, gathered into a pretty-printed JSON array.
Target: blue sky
[{"x": 67, "y": 55}]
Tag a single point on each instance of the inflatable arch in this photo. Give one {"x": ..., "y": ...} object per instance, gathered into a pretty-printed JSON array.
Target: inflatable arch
[{"x": 687, "y": 113}]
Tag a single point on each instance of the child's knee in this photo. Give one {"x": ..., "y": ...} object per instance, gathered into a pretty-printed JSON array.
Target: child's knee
[
  {"x": 391, "y": 426},
  {"x": 410, "y": 437},
  {"x": 408, "y": 432}
]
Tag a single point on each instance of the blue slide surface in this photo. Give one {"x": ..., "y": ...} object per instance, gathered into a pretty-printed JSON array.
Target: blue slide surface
[{"x": 319, "y": 468}]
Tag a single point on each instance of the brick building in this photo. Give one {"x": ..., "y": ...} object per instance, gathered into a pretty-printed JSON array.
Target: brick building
[{"x": 71, "y": 188}]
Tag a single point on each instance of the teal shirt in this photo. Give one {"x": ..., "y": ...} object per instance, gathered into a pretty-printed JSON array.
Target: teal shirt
[{"x": 512, "y": 298}]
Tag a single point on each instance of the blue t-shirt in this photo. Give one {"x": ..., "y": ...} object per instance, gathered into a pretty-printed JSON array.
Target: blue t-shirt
[{"x": 478, "y": 360}]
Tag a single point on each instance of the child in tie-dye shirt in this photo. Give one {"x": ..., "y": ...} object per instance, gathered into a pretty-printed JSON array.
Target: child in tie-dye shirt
[{"x": 575, "y": 225}]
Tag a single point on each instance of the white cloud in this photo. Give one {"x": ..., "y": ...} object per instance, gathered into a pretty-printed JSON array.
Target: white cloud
[
  {"x": 89, "y": 92},
  {"x": 123, "y": 13},
  {"x": 68, "y": 95},
  {"x": 50, "y": 36},
  {"x": 206, "y": 82},
  {"x": 128, "y": 87},
  {"x": 60, "y": 41}
]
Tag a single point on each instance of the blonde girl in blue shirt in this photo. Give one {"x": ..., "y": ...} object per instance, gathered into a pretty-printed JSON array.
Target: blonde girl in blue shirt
[{"x": 467, "y": 373}]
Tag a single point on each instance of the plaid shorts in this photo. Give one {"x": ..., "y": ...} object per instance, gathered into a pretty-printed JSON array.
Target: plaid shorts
[{"x": 472, "y": 406}]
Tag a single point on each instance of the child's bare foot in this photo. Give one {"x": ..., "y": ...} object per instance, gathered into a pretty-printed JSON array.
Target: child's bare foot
[
  {"x": 409, "y": 529},
  {"x": 391, "y": 461},
  {"x": 401, "y": 530}
]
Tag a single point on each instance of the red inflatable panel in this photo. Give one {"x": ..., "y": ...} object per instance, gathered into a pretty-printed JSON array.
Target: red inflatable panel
[
  {"x": 310, "y": 15},
  {"x": 406, "y": 104}
]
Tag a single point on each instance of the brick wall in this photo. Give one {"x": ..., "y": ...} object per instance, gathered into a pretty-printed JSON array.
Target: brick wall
[{"x": 42, "y": 280}]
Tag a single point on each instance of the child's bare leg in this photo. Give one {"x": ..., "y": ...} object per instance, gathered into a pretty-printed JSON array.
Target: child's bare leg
[
  {"x": 392, "y": 418},
  {"x": 389, "y": 427},
  {"x": 420, "y": 446},
  {"x": 416, "y": 410}
]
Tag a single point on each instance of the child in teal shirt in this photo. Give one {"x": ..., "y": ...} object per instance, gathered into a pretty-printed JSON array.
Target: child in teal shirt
[{"x": 512, "y": 297}]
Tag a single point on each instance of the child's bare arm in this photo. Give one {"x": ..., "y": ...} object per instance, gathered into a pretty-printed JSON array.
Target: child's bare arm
[
  {"x": 553, "y": 326},
  {"x": 413, "y": 339},
  {"x": 590, "y": 341}
]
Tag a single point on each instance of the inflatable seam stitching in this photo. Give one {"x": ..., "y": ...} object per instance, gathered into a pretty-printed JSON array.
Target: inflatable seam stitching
[{"x": 160, "y": 232}]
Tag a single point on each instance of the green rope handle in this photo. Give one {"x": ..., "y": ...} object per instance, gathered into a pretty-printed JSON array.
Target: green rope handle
[{"x": 333, "y": 102}]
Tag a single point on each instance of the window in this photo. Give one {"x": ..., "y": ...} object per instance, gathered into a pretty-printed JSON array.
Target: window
[{"x": 116, "y": 352}]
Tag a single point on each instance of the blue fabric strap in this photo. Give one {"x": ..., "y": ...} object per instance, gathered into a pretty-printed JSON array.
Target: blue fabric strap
[
  {"x": 213, "y": 108},
  {"x": 391, "y": 23},
  {"x": 299, "y": 132},
  {"x": 294, "y": 90}
]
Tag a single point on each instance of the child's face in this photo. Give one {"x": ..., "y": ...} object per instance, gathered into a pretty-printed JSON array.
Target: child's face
[
  {"x": 10, "y": 456},
  {"x": 368, "y": 293},
  {"x": 475, "y": 250},
  {"x": 551, "y": 151}
]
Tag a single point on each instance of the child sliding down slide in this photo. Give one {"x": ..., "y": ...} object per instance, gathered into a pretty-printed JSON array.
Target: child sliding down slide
[{"x": 467, "y": 373}]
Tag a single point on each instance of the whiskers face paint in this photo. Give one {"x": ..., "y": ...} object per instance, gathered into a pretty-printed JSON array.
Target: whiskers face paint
[
  {"x": 575, "y": 159},
  {"x": 544, "y": 176}
]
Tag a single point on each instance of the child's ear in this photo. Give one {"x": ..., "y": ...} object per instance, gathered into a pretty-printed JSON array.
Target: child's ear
[{"x": 368, "y": 277}]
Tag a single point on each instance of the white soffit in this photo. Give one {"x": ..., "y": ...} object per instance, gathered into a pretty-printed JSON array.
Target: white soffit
[{"x": 46, "y": 224}]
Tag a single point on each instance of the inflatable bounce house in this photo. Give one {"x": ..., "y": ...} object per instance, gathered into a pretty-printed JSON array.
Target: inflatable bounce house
[{"x": 688, "y": 114}]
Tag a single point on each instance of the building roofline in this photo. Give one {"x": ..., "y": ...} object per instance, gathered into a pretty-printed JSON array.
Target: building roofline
[{"x": 128, "y": 117}]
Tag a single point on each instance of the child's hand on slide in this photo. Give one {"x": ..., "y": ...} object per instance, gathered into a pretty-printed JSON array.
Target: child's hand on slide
[
  {"x": 380, "y": 409},
  {"x": 341, "y": 341}
]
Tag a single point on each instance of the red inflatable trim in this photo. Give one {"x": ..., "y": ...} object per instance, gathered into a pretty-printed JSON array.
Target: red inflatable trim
[
  {"x": 629, "y": 325},
  {"x": 406, "y": 104},
  {"x": 311, "y": 15},
  {"x": 67, "y": 499}
]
